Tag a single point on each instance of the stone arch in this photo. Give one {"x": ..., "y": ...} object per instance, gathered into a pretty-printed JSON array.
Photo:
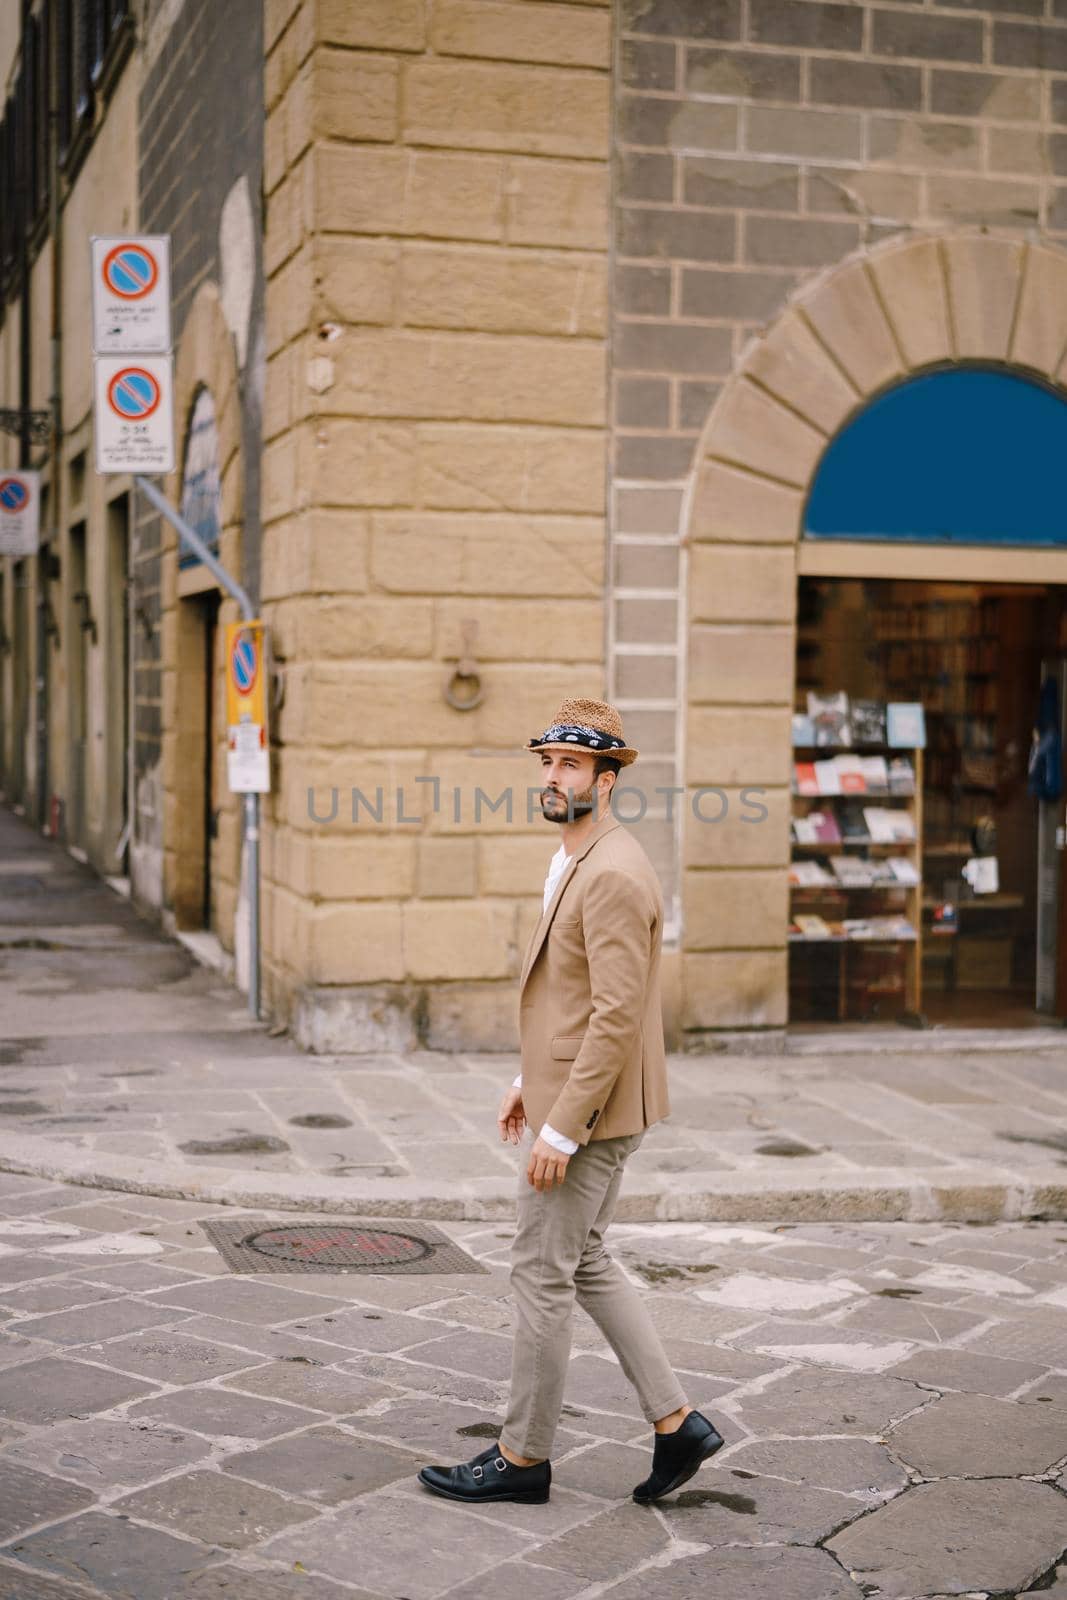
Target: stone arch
[
  {"x": 205, "y": 358},
  {"x": 871, "y": 321}
]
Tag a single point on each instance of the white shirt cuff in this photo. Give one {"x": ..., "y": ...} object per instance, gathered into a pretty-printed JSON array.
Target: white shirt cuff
[{"x": 558, "y": 1141}]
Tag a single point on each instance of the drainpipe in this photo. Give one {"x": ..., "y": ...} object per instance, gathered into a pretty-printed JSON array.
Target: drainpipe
[
  {"x": 26, "y": 460},
  {"x": 248, "y": 612},
  {"x": 55, "y": 399}
]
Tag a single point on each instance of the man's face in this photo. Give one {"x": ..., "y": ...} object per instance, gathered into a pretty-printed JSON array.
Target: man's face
[{"x": 569, "y": 790}]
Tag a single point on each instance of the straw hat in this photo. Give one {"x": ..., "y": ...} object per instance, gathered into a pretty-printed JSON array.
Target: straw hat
[{"x": 590, "y": 724}]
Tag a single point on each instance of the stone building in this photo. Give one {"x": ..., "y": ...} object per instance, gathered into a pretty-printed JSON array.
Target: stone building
[{"x": 528, "y": 358}]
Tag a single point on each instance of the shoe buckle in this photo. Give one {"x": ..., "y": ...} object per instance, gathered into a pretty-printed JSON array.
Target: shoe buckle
[
  {"x": 500, "y": 1464},
  {"x": 477, "y": 1472}
]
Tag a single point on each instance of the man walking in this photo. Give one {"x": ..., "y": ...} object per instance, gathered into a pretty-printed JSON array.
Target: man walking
[{"x": 593, "y": 1079}]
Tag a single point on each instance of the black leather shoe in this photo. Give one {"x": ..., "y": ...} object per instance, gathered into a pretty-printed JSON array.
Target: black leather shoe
[
  {"x": 678, "y": 1456},
  {"x": 490, "y": 1477}
]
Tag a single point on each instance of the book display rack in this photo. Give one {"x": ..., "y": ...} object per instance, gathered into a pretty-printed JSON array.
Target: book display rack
[{"x": 855, "y": 875}]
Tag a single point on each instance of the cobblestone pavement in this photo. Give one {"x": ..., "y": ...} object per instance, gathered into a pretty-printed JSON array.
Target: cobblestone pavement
[
  {"x": 893, "y": 1396},
  {"x": 123, "y": 1060}
]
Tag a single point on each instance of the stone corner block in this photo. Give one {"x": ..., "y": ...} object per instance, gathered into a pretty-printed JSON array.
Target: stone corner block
[{"x": 359, "y": 1019}]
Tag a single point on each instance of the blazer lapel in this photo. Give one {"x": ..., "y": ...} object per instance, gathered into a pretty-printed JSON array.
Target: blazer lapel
[{"x": 605, "y": 825}]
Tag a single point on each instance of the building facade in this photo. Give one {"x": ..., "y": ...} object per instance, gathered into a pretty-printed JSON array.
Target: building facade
[{"x": 515, "y": 343}]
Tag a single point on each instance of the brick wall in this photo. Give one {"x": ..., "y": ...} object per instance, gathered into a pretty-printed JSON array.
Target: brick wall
[
  {"x": 759, "y": 143},
  {"x": 436, "y": 248}
]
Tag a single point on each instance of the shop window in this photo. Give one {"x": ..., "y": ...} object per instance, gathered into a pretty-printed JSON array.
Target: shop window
[{"x": 965, "y": 455}]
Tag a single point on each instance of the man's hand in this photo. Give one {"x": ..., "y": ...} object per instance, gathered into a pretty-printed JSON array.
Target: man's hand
[
  {"x": 511, "y": 1118},
  {"x": 547, "y": 1165}
]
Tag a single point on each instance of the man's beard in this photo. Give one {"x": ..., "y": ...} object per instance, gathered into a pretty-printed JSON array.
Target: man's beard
[{"x": 575, "y": 804}]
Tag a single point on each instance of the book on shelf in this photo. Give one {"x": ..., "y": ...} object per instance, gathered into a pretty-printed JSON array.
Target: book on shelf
[
  {"x": 853, "y": 872},
  {"x": 818, "y": 827},
  {"x": 805, "y": 779},
  {"x": 878, "y": 928},
  {"x": 888, "y": 826},
  {"x": 893, "y": 927},
  {"x": 901, "y": 776},
  {"x": 803, "y": 730},
  {"x": 875, "y": 773},
  {"x": 868, "y": 721},
  {"x": 904, "y": 871},
  {"x": 978, "y": 771},
  {"x": 830, "y": 718},
  {"x": 851, "y": 777},
  {"x": 854, "y": 774},
  {"x": 852, "y": 822},
  {"x": 827, "y": 776},
  {"x": 812, "y": 927},
  {"x": 905, "y": 725},
  {"x": 809, "y": 875}
]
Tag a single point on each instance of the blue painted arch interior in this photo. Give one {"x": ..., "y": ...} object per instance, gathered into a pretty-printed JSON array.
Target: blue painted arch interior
[{"x": 962, "y": 455}]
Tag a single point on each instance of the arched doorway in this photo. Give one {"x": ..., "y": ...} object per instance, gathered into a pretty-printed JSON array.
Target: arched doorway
[
  {"x": 202, "y": 850},
  {"x": 968, "y": 310}
]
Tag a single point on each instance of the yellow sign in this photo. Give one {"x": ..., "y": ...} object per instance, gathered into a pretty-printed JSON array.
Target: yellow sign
[
  {"x": 248, "y": 753},
  {"x": 246, "y": 699}
]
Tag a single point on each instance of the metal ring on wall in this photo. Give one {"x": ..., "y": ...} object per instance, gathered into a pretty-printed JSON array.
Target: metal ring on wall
[{"x": 468, "y": 702}]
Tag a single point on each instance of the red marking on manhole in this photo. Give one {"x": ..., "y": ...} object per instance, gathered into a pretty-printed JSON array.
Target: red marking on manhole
[{"x": 345, "y": 1246}]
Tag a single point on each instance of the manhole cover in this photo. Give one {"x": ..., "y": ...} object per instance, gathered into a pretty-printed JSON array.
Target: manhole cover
[{"x": 252, "y": 1244}]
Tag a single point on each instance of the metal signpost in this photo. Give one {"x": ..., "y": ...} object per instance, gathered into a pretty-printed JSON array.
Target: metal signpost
[{"x": 133, "y": 427}]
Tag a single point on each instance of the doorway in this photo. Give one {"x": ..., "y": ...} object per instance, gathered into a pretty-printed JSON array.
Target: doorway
[
  {"x": 198, "y": 760},
  {"x": 973, "y": 656}
]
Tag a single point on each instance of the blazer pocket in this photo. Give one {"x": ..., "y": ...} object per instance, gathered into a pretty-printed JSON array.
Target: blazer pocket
[{"x": 565, "y": 1048}]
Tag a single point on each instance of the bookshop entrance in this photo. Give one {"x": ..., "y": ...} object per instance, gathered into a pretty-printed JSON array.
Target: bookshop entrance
[{"x": 927, "y": 830}]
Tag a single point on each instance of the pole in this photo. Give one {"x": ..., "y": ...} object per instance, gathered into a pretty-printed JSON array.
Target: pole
[{"x": 248, "y": 611}]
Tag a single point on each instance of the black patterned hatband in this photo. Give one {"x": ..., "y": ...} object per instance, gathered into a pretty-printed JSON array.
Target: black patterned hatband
[{"x": 579, "y": 733}]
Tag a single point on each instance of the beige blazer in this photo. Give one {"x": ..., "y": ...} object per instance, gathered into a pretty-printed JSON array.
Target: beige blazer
[{"x": 590, "y": 1010}]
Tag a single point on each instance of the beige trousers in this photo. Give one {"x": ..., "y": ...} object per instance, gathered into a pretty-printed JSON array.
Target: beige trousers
[{"x": 558, "y": 1254}]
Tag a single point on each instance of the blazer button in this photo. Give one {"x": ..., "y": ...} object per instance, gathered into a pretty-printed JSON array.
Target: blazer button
[{"x": 592, "y": 1119}]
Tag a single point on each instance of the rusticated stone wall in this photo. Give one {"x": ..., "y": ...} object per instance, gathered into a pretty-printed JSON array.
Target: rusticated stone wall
[{"x": 436, "y": 251}]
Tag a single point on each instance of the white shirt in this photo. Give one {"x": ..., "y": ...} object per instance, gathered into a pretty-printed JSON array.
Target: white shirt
[{"x": 556, "y": 868}]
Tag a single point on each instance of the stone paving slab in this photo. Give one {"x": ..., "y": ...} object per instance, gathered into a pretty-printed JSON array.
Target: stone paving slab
[{"x": 242, "y": 1453}]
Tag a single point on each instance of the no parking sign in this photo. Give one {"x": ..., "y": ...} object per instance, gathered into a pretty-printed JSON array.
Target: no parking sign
[
  {"x": 134, "y": 414},
  {"x": 20, "y": 511},
  {"x": 247, "y": 749},
  {"x": 131, "y": 294}
]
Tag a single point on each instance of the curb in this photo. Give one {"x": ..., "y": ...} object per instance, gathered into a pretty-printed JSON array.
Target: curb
[{"x": 966, "y": 1196}]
